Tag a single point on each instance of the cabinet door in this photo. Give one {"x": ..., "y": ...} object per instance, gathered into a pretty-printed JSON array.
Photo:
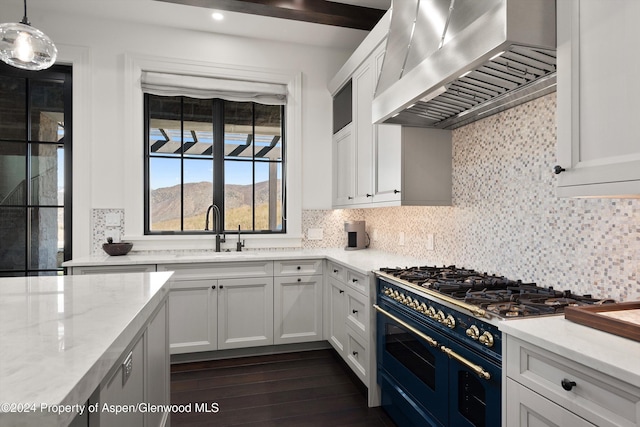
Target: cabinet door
[
  {"x": 363, "y": 87},
  {"x": 343, "y": 167},
  {"x": 157, "y": 366},
  {"x": 245, "y": 312},
  {"x": 388, "y": 163},
  {"x": 337, "y": 313},
  {"x": 193, "y": 316},
  {"x": 122, "y": 389},
  {"x": 526, "y": 408},
  {"x": 598, "y": 87},
  {"x": 297, "y": 306}
]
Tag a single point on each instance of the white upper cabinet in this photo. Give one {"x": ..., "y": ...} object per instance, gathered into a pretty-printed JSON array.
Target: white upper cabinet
[
  {"x": 598, "y": 90},
  {"x": 384, "y": 165}
]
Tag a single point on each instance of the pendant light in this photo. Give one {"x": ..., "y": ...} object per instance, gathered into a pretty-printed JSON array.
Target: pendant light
[{"x": 26, "y": 47}]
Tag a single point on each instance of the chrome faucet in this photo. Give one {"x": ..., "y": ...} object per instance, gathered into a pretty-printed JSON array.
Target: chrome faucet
[
  {"x": 240, "y": 244},
  {"x": 216, "y": 213}
]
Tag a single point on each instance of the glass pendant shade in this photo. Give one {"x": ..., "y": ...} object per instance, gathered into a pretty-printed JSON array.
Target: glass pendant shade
[{"x": 25, "y": 47}]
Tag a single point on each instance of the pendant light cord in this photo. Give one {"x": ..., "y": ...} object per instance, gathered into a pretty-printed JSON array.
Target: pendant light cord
[{"x": 25, "y": 20}]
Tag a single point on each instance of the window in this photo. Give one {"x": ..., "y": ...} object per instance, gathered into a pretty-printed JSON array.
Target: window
[
  {"x": 35, "y": 171},
  {"x": 204, "y": 152}
]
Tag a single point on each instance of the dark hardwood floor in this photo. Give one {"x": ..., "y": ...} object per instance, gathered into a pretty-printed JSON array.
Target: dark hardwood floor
[{"x": 313, "y": 388}]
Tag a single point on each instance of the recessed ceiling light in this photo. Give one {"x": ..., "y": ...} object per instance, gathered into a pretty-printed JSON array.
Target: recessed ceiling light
[{"x": 217, "y": 16}]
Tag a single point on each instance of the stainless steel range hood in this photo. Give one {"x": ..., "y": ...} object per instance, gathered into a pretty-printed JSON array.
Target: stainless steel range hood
[{"x": 451, "y": 62}]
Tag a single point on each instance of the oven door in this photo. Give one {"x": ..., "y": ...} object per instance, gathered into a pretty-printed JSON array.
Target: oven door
[
  {"x": 413, "y": 367},
  {"x": 475, "y": 399}
]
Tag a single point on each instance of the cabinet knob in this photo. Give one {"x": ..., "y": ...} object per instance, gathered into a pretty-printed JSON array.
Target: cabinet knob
[
  {"x": 341, "y": 291},
  {"x": 557, "y": 169},
  {"x": 567, "y": 384},
  {"x": 355, "y": 353},
  {"x": 298, "y": 268},
  {"x": 354, "y": 280},
  {"x": 354, "y": 311},
  {"x": 349, "y": 198},
  {"x": 369, "y": 195},
  {"x": 221, "y": 286},
  {"x": 335, "y": 271},
  {"x": 396, "y": 191},
  {"x": 299, "y": 279},
  {"x": 213, "y": 287}
]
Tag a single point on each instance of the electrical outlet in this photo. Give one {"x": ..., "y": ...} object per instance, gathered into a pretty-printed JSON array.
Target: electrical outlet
[
  {"x": 315, "y": 233},
  {"x": 429, "y": 243},
  {"x": 401, "y": 238},
  {"x": 112, "y": 219}
]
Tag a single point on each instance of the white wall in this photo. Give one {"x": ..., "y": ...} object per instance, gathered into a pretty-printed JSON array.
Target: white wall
[{"x": 98, "y": 49}]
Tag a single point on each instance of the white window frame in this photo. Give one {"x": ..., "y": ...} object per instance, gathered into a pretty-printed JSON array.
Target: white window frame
[{"x": 133, "y": 159}]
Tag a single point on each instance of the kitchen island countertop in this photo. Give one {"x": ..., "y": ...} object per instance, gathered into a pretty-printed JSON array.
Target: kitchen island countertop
[{"x": 60, "y": 336}]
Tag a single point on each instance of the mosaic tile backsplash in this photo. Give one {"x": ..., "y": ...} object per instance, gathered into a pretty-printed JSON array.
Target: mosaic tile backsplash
[{"x": 506, "y": 218}]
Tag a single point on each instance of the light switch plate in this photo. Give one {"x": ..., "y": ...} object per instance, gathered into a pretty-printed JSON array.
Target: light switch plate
[
  {"x": 429, "y": 242},
  {"x": 315, "y": 233},
  {"x": 112, "y": 219}
]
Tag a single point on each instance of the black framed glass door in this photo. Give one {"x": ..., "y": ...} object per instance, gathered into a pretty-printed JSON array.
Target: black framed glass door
[{"x": 35, "y": 170}]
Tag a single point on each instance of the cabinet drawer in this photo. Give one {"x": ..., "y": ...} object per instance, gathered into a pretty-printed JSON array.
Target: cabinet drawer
[
  {"x": 597, "y": 397},
  {"x": 359, "y": 282},
  {"x": 528, "y": 409},
  {"x": 298, "y": 267},
  {"x": 357, "y": 313},
  {"x": 357, "y": 355},
  {"x": 337, "y": 271},
  {"x": 222, "y": 270}
]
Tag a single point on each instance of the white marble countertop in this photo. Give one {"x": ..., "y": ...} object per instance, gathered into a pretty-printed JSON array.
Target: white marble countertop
[
  {"x": 59, "y": 337},
  {"x": 364, "y": 260},
  {"x": 608, "y": 353}
]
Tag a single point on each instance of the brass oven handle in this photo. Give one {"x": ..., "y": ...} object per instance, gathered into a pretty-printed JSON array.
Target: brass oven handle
[
  {"x": 476, "y": 368},
  {"x": 476, "y": 311},
  {"x": 427, "y": 338}
]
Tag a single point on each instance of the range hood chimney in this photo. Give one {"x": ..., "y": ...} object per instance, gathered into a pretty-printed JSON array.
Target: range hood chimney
[{"x": 451, "y": 62}]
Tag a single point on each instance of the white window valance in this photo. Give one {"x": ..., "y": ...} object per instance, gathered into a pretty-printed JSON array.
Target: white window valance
[{"x": 166, "y": 84}]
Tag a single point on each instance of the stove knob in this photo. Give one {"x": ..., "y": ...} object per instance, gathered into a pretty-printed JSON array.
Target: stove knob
[
  {"x": 431, "y": 312},
  {"x": 408, "y": 301},
  {"x": 415, "y": 304},
  {"x": 388, "y": 291},
  {"x": 439, "y": 316},
  {"x": 487, "y": 339},
  {"x": 473, "y": 332},
  {"x": 450, "y": 321},
  {"x": 423, "y": 308}
]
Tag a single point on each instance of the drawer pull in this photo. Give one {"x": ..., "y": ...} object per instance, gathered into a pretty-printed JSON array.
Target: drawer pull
[
  {"x": 567, "y": 384},
  {"x": 341, "y": 291},
  {"x": 355, "y": 353},
  {"x": 335, "y": 271},
  {"x": 354, "y": 311},
  {"x": 354, "y": 280}
]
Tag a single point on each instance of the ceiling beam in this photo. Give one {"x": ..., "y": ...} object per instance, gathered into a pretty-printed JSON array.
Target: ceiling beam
[{"x": 316, "y": 11}]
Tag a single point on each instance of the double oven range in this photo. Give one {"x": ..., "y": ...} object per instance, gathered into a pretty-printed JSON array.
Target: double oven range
[{"x": 439, "y": 348}]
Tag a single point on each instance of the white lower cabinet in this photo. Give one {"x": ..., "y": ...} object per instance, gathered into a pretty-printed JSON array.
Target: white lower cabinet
[
  {"x": 336, "y": 314},
  {"x": 297, "y": 309},
  {"x": 141, "y": 376},
  {"x": 245, "y": 312},
  {"x": 547, "y": 389},
  {"x": 193, "y": 317},
  {"x": 348, "y": 318}
]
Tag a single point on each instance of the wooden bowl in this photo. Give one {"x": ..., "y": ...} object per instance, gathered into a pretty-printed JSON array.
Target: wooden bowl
[{"x": 115, "y": 249}]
